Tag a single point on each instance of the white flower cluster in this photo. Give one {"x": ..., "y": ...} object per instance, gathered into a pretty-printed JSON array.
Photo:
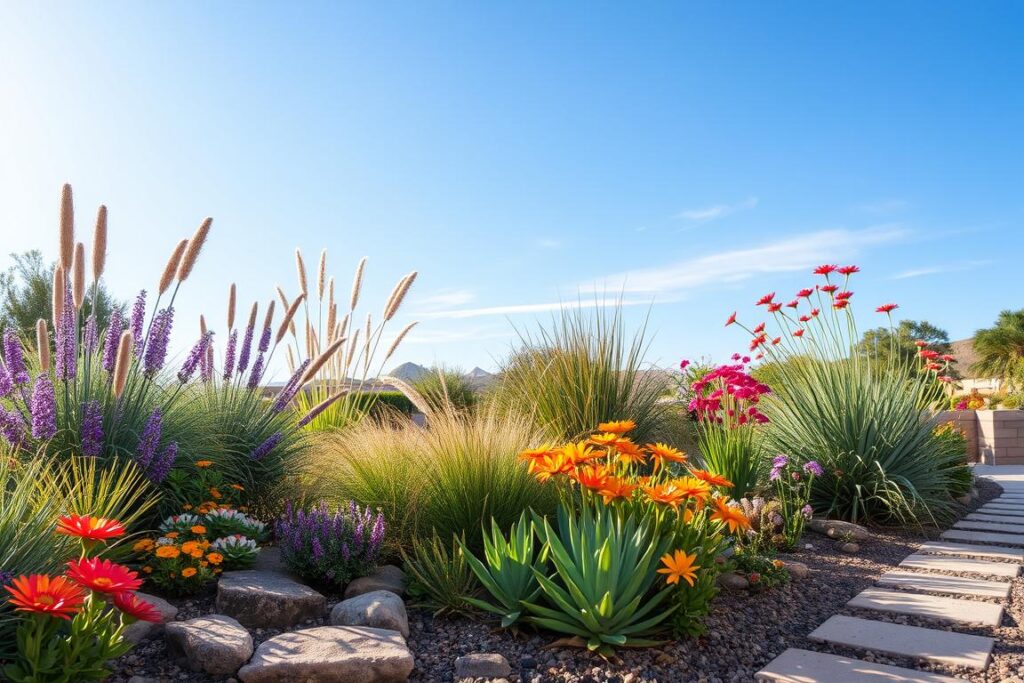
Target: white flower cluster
[
  {"x": 237, "y": 541},
  {"x": 184, "y": 520}
]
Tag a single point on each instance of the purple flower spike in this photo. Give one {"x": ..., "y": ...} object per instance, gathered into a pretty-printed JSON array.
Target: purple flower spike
[
  {"x": 66, "y": 360},
  {"x": 161, "y": 467},
  {"x": 90, "y": 337},
  {"x": 44, "y": 409},
  {"x": 243, "y": 355},
  {"x": 150, "y": 439},
  {"x": 229, "y": 355},
  {"x": 92, "y": 429},
  {"x": 264, "y": 340},
  {"x": 156, "y": 348},
  {"x": 12, "y": 427},
  {"x": 264, "y": 448},
  {"x": 6, "y": 385},
  {"x": 138, "y": 317},
  {"x": 291, "y": 388},
  {"x": 196, "y": 357},
  {"x": 257, "y": 372},
  {"x": 111, "y": 340},
  {"x": 14, "y": 358}
]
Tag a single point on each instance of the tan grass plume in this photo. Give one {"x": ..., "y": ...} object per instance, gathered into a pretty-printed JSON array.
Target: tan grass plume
[
  {"x": 253, "y": 312},
  {"x": 99, "y": 244},
  {"x": 232, "y": 300},
  {"x": 171, "y": 267},
  {"x": 399, "y": 338},
  {"x": 195, "y": 245},
  {"x": 332, "y": 319},
  {"x": 357, "y": 284},
  {"x": 43, "y": 344},
  {"x": 366, "y": 344},
  {"x": 351, "y": 350},
  {"x": 287, "y": 320},
  {"x": 343, "y": 326},
  {"x": 414, "y": 396},
  {"x": 202, "y": 324},
  {"x": 321, "y": 275},
  {"x": 291, "y": 360},
  {"x": 321, "y": 360},
  {"x": 300, "y": 267},
  {"x": 124, "y": 361},
  {"x": 268, "y": 317},
  {"x": 59, "y": 287},
  {"x": 67, "y": 227},
  {"x": 398, "y": 295},
  {"x": 78, "y": 276}
]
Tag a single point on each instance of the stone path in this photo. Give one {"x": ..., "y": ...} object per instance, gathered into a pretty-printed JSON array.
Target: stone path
[{"x": 961, "y": 580}]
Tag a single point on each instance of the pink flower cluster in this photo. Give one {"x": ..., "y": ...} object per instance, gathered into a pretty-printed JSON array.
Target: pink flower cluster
[{"x": 729, "y": 395}]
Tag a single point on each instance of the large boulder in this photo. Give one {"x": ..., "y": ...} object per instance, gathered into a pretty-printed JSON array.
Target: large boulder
[
  {"x": 379, "y": 609},
  {"x": 261, "y": 599},
  {"x": 385, "y": 578},
  {"x": 331, "y": 654},
  {"x": 215, "y": 644},
  {"x": 838, "y": 529},
  {"x": 144, "y": 630}
]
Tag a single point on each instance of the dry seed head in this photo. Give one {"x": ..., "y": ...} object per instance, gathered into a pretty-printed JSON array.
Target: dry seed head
[
  {"x": 252, "y": 314},
  {"x": 398, "y": 294},
  {"x": 286, "y": 322},
  {"x": 67, "y": 227},
  {"x": 357, "y": 284},
  {"x": 171, "y": 267},
  {"x": 268, "y": 317},
  {"x": 78, "y": 276},
  {"x": 99, "y": 244},
  {"x": 43, "y": 344},
  {"x": 343, "y": 326},
  {"x": 202, "y": 325},
  {"x": 231, "y": 306},
  {"x": 282, "y": 297},
  {"x": 315, "y": 366},
  {"x": 300, "y": 266},
  {"x": 332, "y": 319},
  {"x": 124, "y": 360},
  {"x": 414, "y": 396},
  {"x": 399, "y": 338},
  {"x": 321, "y": 275},
  {"x": 195, "y": 245},
  {"x": 330, "y": 291},
  {"x": 351, "y": 350},
  {"x": 59, "y": 287},
  {"x": 291, "y": 361},
  {"x": 366, "y": 345}
]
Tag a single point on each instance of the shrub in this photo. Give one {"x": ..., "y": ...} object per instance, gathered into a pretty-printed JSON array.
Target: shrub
[
  {"x": 440, "y": 576},
  {"x": 394, "y": 400},
  {"x": 581, "y": 371},
  {"x": 865, "y": 424},
  {"x": 443, "y": 388},
  {"x": 793, "y": 486},
  {"x": 330, "y": 547}
]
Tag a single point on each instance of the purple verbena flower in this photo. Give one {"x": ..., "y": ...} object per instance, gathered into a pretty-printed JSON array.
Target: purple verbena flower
[
  {"x": 814, "y": 468},
  {"x": 243, "y": 355},
  {"x": 229, "y": 355},
  {"x": 780, "y": 461},
  {"x": 156, "y": 346},
  {"x": 195, "y": 357},
  {"x": 6, "y": 385},
  {"x": 150, "y": 439},
  {"x": 257, "y": 372},
  {"x": 14, "y": 358},
  {"x": 92, "y": 429},
  {"x": 161, "y": 466},
  {"x": 111, "y": 340},
  {"x": 90, "y": 336},
  {"x": 264, "y": 448},
  {"x": 137, "y": 320},
  {"x": 12, "y": 427},
  {"x": 291, "y": 388},
  {"x": 44, "y": 409},
  {"x": 264, "y": 340}
]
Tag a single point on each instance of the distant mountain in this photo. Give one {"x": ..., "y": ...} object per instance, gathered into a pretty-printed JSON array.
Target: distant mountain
[
  {"x": 409, "y": 372},
  {"x": 478, "y": 373}
]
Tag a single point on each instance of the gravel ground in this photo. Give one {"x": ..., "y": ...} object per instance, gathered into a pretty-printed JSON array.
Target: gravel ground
[{"x": 745, "y": 630}]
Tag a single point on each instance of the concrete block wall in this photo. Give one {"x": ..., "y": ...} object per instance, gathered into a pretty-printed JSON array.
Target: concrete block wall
[
  {"x": 994, "y": 437},
  {"x": 967, "y": 421}
]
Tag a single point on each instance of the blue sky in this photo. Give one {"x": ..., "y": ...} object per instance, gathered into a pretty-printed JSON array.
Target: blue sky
[{"x": 691, "y": 156}]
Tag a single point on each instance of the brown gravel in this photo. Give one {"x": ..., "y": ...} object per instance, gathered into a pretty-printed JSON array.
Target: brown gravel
[{"x": 745, "y": 630}]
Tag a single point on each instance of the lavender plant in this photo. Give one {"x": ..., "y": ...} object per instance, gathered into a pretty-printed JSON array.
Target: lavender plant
[{"x": 330, "y": 547}]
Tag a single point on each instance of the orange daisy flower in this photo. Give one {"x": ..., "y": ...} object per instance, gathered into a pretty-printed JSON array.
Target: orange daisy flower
[
  {"x": 531, "y": 454},
  {"x": 605, "y": 439},
  {"x": 103, "y": 575},
  {"x": 679, "y": 565},
  {"x": 731, "y": 516},
  {"x": 616, "y": 488},
  {"x": 691, "y": 487},
  {"x": 663, "y": 453},
  {"x": 592, "y": 476},
  {"x": 579, "y": 452},
  {"x": 666, "y": 494},
  {"x": 56, "y": 596},
  {"x": 629, "y": 452},
  {"x": 550, "y": 465},
  {"x": 89, "y": 527},
  {"x": 713, "y": 479},
  {"x": 617, "y": 426},
  {"x": 203, "y": 464}
]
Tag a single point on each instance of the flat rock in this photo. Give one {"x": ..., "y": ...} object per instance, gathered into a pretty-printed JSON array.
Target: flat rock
[
  {"x": 1005, "y": 508},
  {"x": 482, "y": 665},
  {"x": 930, "y": 606},
  {"x": 940, "y": 583},
  {"x": 262, "y": 599},
  {"x": 331, "y": 654},
  {"x": 945, "y": 647},
  {"x": 835, "y": 528},
  {"x": 982, "y": 537},
  {"x": 144, "y": 630},
  {"x": 805, "y": 666},
  {"x": 379, "y": 609},
  {"x": 960, "y": 565},
  {"x": 385, "y": 578},
  {"x": 982, "y": 517},
  {"x": 1012, "y": 516},
  {"x": 732, "y": 581},
  {"x": 989, "y": 551},
  {"x": 797, "y": 570},
  {"x": 981, "y": 525},
  {"x": 215, "y": 644}
]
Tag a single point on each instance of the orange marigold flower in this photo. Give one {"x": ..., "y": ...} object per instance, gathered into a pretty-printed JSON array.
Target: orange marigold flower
[
  {"x": 198, "y": 529},
  {"x": 215, "y": 558},
  {"x": 89, "y": 527},
  {"x": 615, "y": 488},
  {"x": 55, "y": 596},
  {"x": 592, "y": 476},
  {"x": 137, "y": 608},
  {"x": 143, "y": 545},
  {"x": 617, "y": 426},
  {"x": 667, "y": 494},
  {"x": 679, "y": 565},
  {"x": 663, "y": 453},
  {"x": 188, "y": 572},
  {"x": 203, "y": 464},
  {"x": 731, "y": 516},
  {"x": 103, "y": 575},
  {"x": 167, "y": 552},
  {"x": 188, "y": 546},
  {"x": 713, "y": 479},
  {"x": 171, "y": 534}
]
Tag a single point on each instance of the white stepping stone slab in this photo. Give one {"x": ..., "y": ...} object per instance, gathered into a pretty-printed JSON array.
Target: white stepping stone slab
[
  {"x": 1005, "y": 507},
  {"x": 993, "y": 552},
  {"x": 957, "y": 564},
  {"x": 983, "y": 537},
  {"x": 930, "y": 606},
  {"x": 944, "y": 647},
  {"x": 984, "y": 517},
  {"x": 981, "y": 525},
  {"x": 939, "y": 583},
  {"x": 806, "y": 666},
  {"x": 1001, "y": 512}
]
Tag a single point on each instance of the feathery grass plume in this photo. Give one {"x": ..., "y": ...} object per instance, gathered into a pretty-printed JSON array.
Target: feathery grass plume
[
  {"x": 67, "y": 227},
  {"x": 99, "y": 244},
  {"x": 202, "y": 324},
  {"x": 410, "y": 392},
  {"x": 343, "y": 326},
  {"x": 315, "y": 366},
  {"x": 291, "y": 360},
  {"x": 43, "y": 344},
  {"x": 282, "y": 297},
  {"x": 300, "y": 267},
  {"x": 332, "y": 321},
  {"x": 195, "y": 245},
  {"x": 351, "y": 351},
  {"x": 398, "y": 294},
  {"x": 78, "y": 276},
  {"x": 357, "y": 284},
  {"x": 231, "y": 306},
  {"x": 124, "y": 361},
  {"x": 287, "y": 320},
  {"x": 321, "y": 274},
  {"x": 59, "y": 289},
  {"x": 321, "y": 407},
  {"x": 366, "y": 344},
  {"x": 253, "y": 311},
  {"x": 399, "y": 338},
  {"x": 172, "y": 266}
]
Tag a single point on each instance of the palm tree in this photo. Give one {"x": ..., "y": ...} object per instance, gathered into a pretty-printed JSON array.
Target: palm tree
[{"x": 1000, "y": 348}]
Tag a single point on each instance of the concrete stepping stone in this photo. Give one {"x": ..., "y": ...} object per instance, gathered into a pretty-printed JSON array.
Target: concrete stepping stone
[
  {"x": 930, "y": 606},
  {"x": 993, "y": 552},
  {"x": 1009, "y": 515},
  {"x": 331, "y": 654},
  {"x": 982, "y": 525},
  {"x": 985, "y": 517},
  {"x": 983, "y": 537},
  {"x": 215, "y": 644},
  {"x": 261, "y": 599},
  {"x": 963, "y": 565},
  {"x": 1006, "y": 507},
  {"x": 944, "y": 647},
  {"x": 939, "y": 583},
  {"x": 805, "y": 666}
]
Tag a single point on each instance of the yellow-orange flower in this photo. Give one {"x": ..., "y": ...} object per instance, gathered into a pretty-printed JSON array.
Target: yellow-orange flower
[
  {"x": 666, "y": 494},
  {"x": 237, "y": 487},
  {"x": 532, "y": 454},
  {"x": 592, "y": 476},
  {"x": 663, "y": 453},
  {"x": 733, "y": 517},
  {"x": 199, "y": 529},
  {"x": 214, "y": 492},
  {"x": 550, "y": 465},
  {"x": 188, "y": 572},
  {"x": 606, "y": 439},
  {"x": 171, "y": 534},
  {"x": 203, "y": 464},
  {"x": 579, "y": 452},
  {"x": 215, "y": 558},
  {"x": 713, "y": 479},
  {"x": 628, "y": 452},
  {"x": 616, "y": 488},
  {"x": 143, "y": 545},
  {"x": 147, "y": 569},
  {"x": 617, "y": 426},
  {"x": 188, "y": 546},
  {"x": 679, "y": 565},
  {"x": 691, "y": 487},
  {"x": 167, "y": 552}
]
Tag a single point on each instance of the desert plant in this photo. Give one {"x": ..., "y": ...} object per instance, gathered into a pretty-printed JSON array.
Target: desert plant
[
  {"x": 441, "y": 577},
  {"x": 444, "y": 387},
  {"x": 330, "y": 547},
  {"x": 1000, "y": 348}
]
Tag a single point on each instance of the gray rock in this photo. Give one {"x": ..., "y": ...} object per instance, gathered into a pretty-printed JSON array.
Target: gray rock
[
  {"x": 834, "y": 528},
  {"x": 379, "y": 609},
  {"x": 215, "y": 644},
  {"x": 262, "y": 599},
  {"x": 386, "y": 578},
  {"x": 965, "y": 499},
  {"x": 482, "y": 665},
  {"x": 142, "y": 679},
  {"x": 144, "y": 630},
  {"x": 797, "y": 570},
  {"x": 850, "y": 548},
  {"x": 331, "y": 654},
  {"x": 732, "y": 581}
]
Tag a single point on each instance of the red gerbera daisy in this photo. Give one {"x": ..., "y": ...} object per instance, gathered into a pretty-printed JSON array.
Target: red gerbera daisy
[
  {"x": 798, "y": 333},
  {"x": 103, "y": 575},
  {"x": 805, "y": 293},
  {"x": 731, "y": 320},
  {"x": 89, "y": 527},
  {"x": 793, "y": 304},
  {"x": 56, "y": 596},
  {"x": 766, "y": 299},
  {"x": 848, "y": 270},
  {"x": 828, "y": 289},
  {"x": 774, "y": 307},
  {"x": 815, "y": 312},
  {"x": 841, "y": 303},
  {"x": 759, "y": 328},
  {"x": 776, "y": 340},
  {"x": 136, "y": 608},
  {"x": 887, "y": 308},
  {"x": 920, "y": 343},
  {"x": 825, "y": 269},
  {"x": 844, "y": 294},
  {"x": 949, "y": 358},
  {"x": 805, "y": 318}
]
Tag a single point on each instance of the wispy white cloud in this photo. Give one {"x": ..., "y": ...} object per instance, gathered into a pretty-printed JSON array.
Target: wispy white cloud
[
  {"x": 515, "y": 309},
  {"x": 444, "y": 298},
  {"x": 715, "y": 211},
  {"x": 549, "y": 243},
  {"x": 940, "y": 269}
]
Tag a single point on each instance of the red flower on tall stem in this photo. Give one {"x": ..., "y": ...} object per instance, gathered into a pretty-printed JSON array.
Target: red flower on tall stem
[
  {"x": 56, "y": 596},
  {"x": 103, "y": 575},
  {"x": 841, "y": 303},
  {"x": 828, "y": 289},
  {"x": 825, "y": 269},
  {"x": 886, "y": 308},
  {"x": 731, "y": 320},
  {"x": 920, "y": 343},
  {"x": 89, "y": 527},
  {"x": 799, "y": 333},
  {"x": 766, "y": 299},
  {"x": 806, "y": 293},
  {"x": 137, "y": 608},
  {"x": 848, "y": 270},
  {"x": 844, "y": 294},
  {"x": 759, "y": 328},
  {"x": 793, "y": 304},
  {"x": 774, "y": 307}
]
